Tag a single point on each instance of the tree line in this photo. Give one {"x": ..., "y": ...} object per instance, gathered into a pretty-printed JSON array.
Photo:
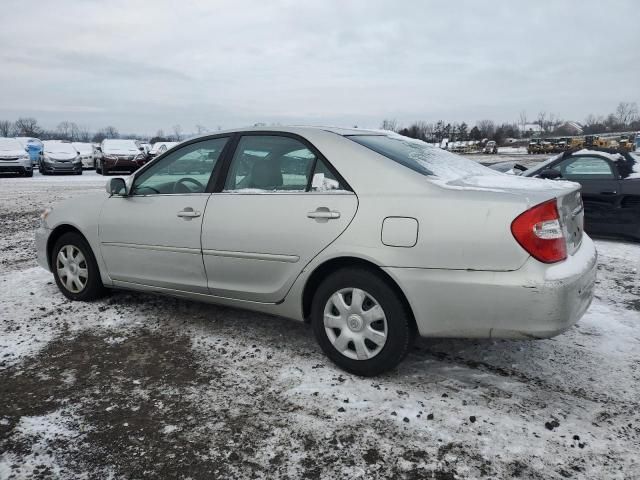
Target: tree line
[
  {"x": 625, "y": 118},
  {"x": 71, "y": 131}
]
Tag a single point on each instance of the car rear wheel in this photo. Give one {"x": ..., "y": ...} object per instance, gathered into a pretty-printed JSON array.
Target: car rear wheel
[
  {"x": 360, "y": 322},
  {"x": 75, "y": 269}
]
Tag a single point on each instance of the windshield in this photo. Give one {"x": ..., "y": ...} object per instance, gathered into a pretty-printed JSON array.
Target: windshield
[
  {"x": 59, "y": 147},
  {"x": 10, "y": 144},
  {"x": 84, "y": 147},
  {"x": 422, "y": 157},
  {"x": 119, "y": 145}
]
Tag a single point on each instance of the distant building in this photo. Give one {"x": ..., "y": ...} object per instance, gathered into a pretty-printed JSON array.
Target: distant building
[
  {"x": 530, "y": 130},
  {"x": 570, "y": 128}
]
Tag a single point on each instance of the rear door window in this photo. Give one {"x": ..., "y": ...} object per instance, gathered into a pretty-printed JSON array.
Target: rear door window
[{"x": 273, "y": 163}]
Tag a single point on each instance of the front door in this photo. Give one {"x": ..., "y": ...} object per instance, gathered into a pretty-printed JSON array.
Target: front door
[
  {"x": 281, "y": 205},
  {"x": 152, "y": 236}
]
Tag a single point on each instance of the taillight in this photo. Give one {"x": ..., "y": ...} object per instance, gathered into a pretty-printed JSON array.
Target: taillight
[{"x": 539, "y": 232}]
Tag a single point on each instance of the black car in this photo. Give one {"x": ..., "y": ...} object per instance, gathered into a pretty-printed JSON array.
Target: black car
[{"x": 610, "y": 182}]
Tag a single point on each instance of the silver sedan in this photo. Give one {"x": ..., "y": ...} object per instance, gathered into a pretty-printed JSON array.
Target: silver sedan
[{"x": 371, "y": 237}]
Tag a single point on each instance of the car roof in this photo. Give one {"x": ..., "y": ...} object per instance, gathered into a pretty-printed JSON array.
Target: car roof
[{"x": 296, "y": 129}]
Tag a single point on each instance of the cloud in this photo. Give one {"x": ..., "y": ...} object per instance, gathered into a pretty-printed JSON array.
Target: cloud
[{"x": 143, "y": 65}]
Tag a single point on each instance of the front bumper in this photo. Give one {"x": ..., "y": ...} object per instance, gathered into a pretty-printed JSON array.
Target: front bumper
[
  {"x": 536, "y": 301},
  {"x": 15, "y": 166},
  {"x": 122, "y": 164},
  {"x": 60, "y": 167}
]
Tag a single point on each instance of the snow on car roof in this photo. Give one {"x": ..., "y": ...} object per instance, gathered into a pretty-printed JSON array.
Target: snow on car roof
[{"x": 611, "y": 156}]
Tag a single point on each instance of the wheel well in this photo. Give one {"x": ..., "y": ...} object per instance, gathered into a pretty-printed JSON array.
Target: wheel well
[
  {"x": 321, "y": 272},
  {"x": 56, "y": 234}
]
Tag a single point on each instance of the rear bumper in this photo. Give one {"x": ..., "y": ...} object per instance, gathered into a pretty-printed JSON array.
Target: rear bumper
[{"x": 536, "y": 301}]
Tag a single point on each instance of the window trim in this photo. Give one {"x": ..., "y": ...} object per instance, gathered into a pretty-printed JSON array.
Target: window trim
[
  {"x": 233, "y": 144},
  {"x": 186, "y": 143}
]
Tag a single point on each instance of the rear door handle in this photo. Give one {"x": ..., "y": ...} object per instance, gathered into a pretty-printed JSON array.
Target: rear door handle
[
  {"x": 323, "y": 213},
  {"x": 188, "y": 213}
]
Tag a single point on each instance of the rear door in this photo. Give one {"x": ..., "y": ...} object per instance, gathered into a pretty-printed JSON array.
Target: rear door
[
  {"x": 280, "y": 205},
  {"x": 600, "y": 190}
]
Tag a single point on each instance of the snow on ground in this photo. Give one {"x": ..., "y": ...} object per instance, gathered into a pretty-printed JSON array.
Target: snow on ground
[{"x": 139, "y": 386}]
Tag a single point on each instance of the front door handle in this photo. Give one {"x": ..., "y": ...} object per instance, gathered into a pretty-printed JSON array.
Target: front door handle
[
  {"x": 323, "y": 214},
  {"x": 613, "y": 192},
  {"x": 188, "y": 213}
]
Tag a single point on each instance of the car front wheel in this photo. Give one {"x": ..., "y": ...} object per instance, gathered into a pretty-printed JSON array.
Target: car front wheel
[
  {"x": 75, "y": 269},
  {"x": 360, "y": 322}
]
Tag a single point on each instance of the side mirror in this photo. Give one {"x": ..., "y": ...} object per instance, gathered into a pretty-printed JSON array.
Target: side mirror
[
  {"x": 117, "y": 186},
  {"x": 550, "y": 174}
]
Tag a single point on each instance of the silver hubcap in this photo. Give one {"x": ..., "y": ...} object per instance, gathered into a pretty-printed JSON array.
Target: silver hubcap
[
  {"x": 72, "y": 268},
  {"x": 355, "y": 323}
]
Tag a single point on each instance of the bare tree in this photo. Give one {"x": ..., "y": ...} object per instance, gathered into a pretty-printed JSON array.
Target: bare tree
[
  {"x": 177, "y": 132},
  {"x": 64, "y": 130},
  {"x": 110, "y": 132},
  {"x": 390, "y": 124},
  {"x": 487, "y": 128},
  {"x": 83, "y": 134},
  {"x": 27, "y": 127},
  {"x": 522, "y": 120},
  {"x": 6, "y": 128},
  {"x": 627, "y": 112},
  {"x": 542, "y": 120},
  {"x": 200, "y": 129}
]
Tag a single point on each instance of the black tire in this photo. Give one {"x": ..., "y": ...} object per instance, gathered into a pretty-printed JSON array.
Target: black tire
[
  {"x": 93, "y": 287},
  {"x": 400, "y": 325},
  {"x": 79, "y": 173},
  {"x": 28, "y": 173}
]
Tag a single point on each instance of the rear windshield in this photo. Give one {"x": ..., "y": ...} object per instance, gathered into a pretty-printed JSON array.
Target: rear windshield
[{"x": 421, "y": 157}]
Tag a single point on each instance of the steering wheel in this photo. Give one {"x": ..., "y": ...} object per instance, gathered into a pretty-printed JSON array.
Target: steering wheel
[{"x": 179, "y": 186}]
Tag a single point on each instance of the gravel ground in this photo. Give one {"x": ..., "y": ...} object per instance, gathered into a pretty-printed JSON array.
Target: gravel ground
[{"x": 139, "y": 386}]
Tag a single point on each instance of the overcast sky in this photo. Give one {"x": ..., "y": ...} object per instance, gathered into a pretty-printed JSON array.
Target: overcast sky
[{"x": 145, "y": 65}]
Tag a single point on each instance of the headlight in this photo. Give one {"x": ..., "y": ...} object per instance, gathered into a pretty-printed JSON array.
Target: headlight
[
  {"x": 76, "y": 160},
  {"x": 46, "y": 158},
  {"x": 24, "y": 156}
]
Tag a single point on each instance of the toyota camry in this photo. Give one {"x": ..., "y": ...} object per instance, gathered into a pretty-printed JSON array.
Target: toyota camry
[{"x": 371, "y": 237}]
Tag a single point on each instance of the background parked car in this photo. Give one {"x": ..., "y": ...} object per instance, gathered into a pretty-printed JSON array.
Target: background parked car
[
  {"x": 87, "y": 154},
  {"x": 14, "y": 158},
  {"x": 159, "y": 148},
  {"x": 59, "y": 157},
  {"x": 34, "y": 148},
  {"x": 491, "y": 147},
  {"x": 120, "y": 155},
  {"x": 610, "y": 182}
]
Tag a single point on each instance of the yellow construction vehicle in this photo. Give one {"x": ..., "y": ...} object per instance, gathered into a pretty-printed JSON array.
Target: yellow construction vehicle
[
  {"x": 625, "y": 143},
  {"x": 595, "y": 141}
]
